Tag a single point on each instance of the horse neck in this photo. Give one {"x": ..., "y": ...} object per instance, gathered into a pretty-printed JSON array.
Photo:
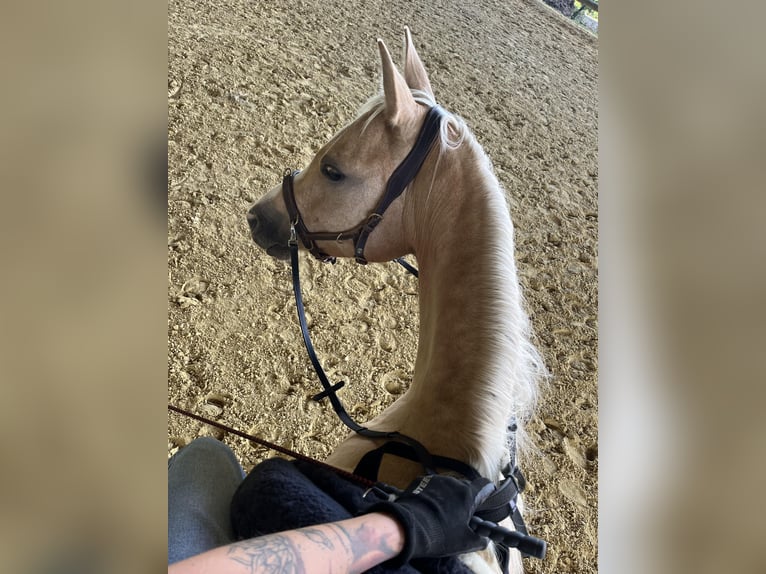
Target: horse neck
[{"x": 469, "y": 373}]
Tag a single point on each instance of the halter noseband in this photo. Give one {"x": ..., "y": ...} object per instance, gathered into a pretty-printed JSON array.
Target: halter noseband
[{"x": 397, "y": 183}]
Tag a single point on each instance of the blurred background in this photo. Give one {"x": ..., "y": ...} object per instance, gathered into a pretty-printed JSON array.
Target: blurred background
[
  {"x": 683, "y": 204},
  {"x": 83, "y": 287}
]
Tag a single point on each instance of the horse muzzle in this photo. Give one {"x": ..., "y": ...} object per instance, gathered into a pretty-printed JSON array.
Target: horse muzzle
[{"x": 269, "y": 230}]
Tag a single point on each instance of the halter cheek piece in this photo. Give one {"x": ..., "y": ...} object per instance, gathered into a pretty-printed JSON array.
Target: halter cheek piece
[{"x": 397, "y": 183}]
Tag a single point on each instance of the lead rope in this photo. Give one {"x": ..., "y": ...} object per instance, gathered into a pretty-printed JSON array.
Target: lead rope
[
  {"x": 403, "y": 262},
  {"x": 330, "y": 390}
]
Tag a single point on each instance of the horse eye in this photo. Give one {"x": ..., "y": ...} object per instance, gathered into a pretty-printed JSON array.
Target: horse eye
[{"x": 331, "y": 173}]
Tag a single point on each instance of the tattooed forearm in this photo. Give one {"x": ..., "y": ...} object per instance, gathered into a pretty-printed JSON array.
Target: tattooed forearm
[
  {"x": 270, "y": 555},
  {"x": 348, "y": 546}
]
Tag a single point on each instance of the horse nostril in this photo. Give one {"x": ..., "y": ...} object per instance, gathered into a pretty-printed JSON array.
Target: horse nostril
[{"x": 252, "y": 221}]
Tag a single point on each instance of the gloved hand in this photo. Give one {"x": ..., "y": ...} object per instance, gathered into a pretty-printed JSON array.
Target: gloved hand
[{"x": 434, "y": 511}]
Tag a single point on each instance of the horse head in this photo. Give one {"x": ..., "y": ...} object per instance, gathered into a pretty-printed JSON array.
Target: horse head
[{"x": 336, "y": 193}]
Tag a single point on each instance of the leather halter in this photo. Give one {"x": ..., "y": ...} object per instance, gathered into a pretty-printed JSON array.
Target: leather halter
[{"x": 397, "y": 183}]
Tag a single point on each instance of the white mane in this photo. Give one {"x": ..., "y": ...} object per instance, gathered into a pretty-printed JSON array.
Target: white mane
[{"x": 513, "y": 362}]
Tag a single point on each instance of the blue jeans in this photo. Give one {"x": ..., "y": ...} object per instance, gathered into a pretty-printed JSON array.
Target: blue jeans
[{"x": 202, "y": 478}]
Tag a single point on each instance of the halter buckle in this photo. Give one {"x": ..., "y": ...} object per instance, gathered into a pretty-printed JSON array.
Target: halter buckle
[
  {"x": 293, "y": 241},
  {"x": 372, "y": 222}
]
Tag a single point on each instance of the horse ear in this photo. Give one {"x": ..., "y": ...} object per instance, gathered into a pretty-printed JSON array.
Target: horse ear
[
  {"x": 400, "y": 105},
  {"x": 414, "y": 71}
]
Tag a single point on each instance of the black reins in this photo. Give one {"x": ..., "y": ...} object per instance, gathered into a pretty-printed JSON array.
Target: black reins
[
  {"x": 397, "y": 183},
  {"x": 329, "y": 390}
]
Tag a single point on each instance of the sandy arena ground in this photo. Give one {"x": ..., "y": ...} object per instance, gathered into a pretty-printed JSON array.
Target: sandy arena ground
[{"x": 255, "y": 87}]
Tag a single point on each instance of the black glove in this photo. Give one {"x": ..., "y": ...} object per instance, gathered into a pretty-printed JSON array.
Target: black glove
[{"x": 434, "y": 511}]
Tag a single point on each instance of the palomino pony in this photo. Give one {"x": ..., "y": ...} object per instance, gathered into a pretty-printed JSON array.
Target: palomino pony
[{"x": 476, "y": 368}]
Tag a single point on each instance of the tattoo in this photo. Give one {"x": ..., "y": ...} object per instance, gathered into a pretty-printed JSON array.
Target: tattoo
[
  {"x": 371, "y": 539},
  {"x": 270, "y": 554},
  {"x": 364, "y": 546},
  {"x": 344, "y": 537},
  {"x": 318, "y": 537}
]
